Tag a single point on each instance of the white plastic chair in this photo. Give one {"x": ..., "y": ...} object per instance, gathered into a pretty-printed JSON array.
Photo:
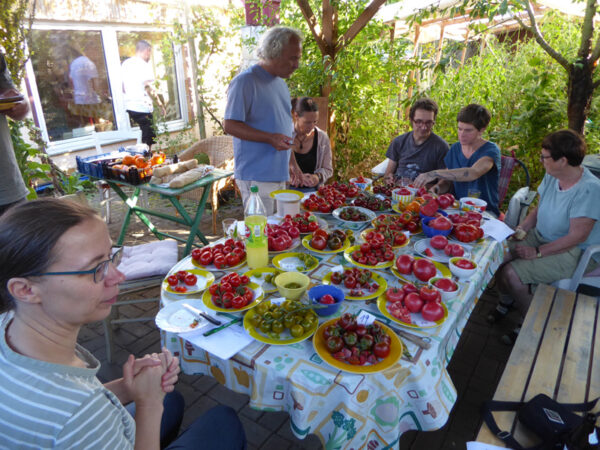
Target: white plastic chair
[{"x": 579, "y": 278}]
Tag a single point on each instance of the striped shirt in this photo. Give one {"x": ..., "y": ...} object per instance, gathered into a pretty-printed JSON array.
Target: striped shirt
[{"x": 45, "y": 405}]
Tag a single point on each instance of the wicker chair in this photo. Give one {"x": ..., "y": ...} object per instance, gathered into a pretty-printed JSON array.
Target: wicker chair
[{"x": 220, "y": 154}]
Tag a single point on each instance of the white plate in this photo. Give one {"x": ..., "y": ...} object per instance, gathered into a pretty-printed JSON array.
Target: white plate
[
  {"x": 174, "y": 318},
  {"x": 438, "y": 255},
  {"x": 370, "y": 214}
]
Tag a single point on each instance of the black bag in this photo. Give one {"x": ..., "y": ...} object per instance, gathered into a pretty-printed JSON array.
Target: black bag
[{"x": 554, "y": 423}]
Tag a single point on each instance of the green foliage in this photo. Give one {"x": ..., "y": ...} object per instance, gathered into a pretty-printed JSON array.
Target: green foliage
[
  {"x": 521, "y": 86},
  {"x": 13, "y": 34},
  {"x": 28, "y": 158},
  {"x": 369, "y": 80}
]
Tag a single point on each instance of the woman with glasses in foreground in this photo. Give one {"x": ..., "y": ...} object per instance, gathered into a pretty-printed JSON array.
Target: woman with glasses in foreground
[
  {"x": 58, "y": 273},
  {"x": 547, "y": 246},
  {"x": 473, "y": 163}
]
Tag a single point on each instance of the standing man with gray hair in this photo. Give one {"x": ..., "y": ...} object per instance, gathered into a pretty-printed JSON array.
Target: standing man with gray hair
[
  {"x": 258, "y": 115},
  {"x": 139, "y": 92}
]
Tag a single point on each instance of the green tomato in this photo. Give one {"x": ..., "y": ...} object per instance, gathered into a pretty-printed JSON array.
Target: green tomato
[
  {"x": 263, "y": 307},
  {"x": 265, "y": 326},
  {"x": 297, "y": 330},
  {"x": 277, "y": 327}
]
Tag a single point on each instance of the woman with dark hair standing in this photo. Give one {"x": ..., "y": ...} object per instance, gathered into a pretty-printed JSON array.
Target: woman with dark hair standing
[
  {"x": 547, "y": 246},
  {"x": 58, "y": 273},
  {"x": 311, "y": 157},
  {"x": 472, "y": 163}
]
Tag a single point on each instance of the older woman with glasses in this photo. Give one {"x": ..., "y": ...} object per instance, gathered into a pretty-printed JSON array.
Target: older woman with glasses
[
  {"x": 473, "y": 163},
  {"x": 58, "y": 273},
  {"x": 547, "y": 246}
]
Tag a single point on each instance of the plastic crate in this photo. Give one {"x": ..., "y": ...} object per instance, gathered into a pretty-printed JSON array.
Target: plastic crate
[{"x": 103, "y": 166}]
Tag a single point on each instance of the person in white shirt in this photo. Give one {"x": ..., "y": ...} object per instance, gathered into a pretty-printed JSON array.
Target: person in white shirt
[{"x": 139, "y": 93}]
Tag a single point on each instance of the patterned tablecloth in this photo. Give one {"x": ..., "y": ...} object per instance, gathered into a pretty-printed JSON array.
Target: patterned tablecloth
[{"x": 350, "y": 410}]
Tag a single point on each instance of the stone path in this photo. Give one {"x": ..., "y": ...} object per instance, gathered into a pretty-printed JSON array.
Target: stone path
[{"x": 475, "y": 368}]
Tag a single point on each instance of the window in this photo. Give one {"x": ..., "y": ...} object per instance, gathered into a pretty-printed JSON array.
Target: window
[{"x": 76, "y": 82}]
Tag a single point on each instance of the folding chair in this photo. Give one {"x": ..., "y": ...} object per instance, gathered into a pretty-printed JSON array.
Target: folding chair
[
  {"x": 144, "y": 266},
  {"x": 591, "y": 279}
]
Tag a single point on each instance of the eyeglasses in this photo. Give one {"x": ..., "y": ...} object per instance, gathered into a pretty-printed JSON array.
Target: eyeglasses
[
  {"x": 542, "y": 157},
  {"x": 99, "y": 271},
  {"x": 427, "y": 123}
]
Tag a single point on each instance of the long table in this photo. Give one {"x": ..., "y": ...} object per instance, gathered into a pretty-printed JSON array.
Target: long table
[
  {"x": 348, "y": 410},
  {"x": 172, "y": 195}
]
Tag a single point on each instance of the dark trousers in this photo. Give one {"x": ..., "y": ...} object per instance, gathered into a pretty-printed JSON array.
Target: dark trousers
[
  {"x": 219, "y": 428},
  {"x": 144, "y": 121}
]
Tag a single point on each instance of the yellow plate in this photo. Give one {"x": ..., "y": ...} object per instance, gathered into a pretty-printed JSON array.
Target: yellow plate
[
  {"x": 364, "y": 233},
  {"x": 258, "y": 296},
  {"x": 286, "y": 191},
  {"x": 295, "y": 244},
  {"x": 268, "y": 340},
  {"x": 417, "y": 231},
  {"x": 418, "y": 322},
  {"x": 348, "y": 256},
  {"x": 289, "y": 262},
  {"x": 266, "y": 287},
  {"x": 442, "y": 271},
  {"x": 201, "y": 274},
  {"x": 374, "y": 277},
  {"x": 392, "y": 358},
  {"x": 306, "y": 244}
]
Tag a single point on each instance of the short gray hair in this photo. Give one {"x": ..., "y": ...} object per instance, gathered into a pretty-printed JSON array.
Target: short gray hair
[
  {"x": 274, "y": 40},
  {"x": 142, "y": 46}
]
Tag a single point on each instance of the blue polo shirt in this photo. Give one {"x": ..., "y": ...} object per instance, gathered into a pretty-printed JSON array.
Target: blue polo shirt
[
  {"x": 487, "y": 184},
  {"x": 261, "y": 101}
]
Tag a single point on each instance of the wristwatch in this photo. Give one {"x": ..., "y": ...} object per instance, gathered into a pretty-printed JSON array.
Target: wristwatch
[{"x": 538, "y": 252}]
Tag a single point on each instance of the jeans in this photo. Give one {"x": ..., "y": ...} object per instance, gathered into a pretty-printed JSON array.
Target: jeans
[
  {"x": 218, "y": 428},
  {"x": 144, "y": 121}
]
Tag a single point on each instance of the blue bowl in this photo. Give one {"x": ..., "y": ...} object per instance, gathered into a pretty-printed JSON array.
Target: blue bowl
[
  {"x": 431, "y": 232},
  {"x": 316, "y": 292}
]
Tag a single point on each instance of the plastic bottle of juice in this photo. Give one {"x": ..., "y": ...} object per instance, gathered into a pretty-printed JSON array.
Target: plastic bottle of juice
[{"x": 257, "y": 248}]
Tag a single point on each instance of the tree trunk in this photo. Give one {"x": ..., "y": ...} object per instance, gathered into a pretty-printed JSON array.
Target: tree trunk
[{"x": 580, "y": 92}]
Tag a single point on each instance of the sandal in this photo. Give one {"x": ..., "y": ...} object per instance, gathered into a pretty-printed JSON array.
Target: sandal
[{"x": 510, "y": 338}]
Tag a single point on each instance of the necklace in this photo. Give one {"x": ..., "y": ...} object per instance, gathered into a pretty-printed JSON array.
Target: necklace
[{"x": 302, "y": 141}]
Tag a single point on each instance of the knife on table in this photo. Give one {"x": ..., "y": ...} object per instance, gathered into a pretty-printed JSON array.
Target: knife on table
[
  {"x": 222, "y": 327},
  {"x": 201, "y": 314},
  {"x": 412, "y": 338}
]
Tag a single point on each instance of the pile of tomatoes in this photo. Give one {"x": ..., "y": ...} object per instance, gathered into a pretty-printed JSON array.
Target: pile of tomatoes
[
  {"x": 321, "y": 204},
  {"x": 402, "y": 302},
  {"x": 371, "y": 202},
  {"x": 306, "y": 222},
  {"x": 373, "y": 253},
  {"x": 228, "y": 254},
  {"x": 421, "y": 268},
  {"x": 290, "y": 316},
  {"x": 356, "y": 344},
  {"x": 321, "y": 239},
  {"x": 356, "y": 280},
  {"x": 353, "y": 215},
  {"x": 406, "y": 221},
  {"x": 281, "y": 237},
  {"x": 348, "y": 189},
  {"x": 232, "y": 292},
  {"x": 180, "y": 280}
]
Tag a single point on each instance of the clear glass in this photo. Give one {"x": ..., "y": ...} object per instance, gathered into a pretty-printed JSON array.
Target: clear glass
[
  {"x": 162, "y": 61},
  {"x": 72, "y": 81},
  {"x": 229, "y": 227}
]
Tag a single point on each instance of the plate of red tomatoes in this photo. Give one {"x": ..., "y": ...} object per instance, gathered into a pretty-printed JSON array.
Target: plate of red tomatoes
[
  {"x": 355, "y": 214},
  {"x": 306, "y": 222},
  {"x": 412, "y": 307},
  {"x": 368, "y": 256},
  {"x": 185, "y": 282},
  {"x": 232, "y": 293},
  {"x": 418, "y": 270},
  {"x": 395, "y": 238},
  {"x": 405, "y": 221},
  {"x": 228, "y": 255},
  {"x": 347, "y": 346},
  {"x": 357, "y": 284},
  {"x": 326, "y": 243},
  {"x": 439, "y": 249}
]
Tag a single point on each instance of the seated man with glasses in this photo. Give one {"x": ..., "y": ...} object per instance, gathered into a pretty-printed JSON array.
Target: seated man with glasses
[{"x": 419, "y": 150}]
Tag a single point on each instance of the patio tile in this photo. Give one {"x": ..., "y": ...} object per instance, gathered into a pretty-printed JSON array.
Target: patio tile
[
  {"x": 204, "y": 383},
  {"x": 255, "y": 433},
  {"x": 273, "y": 420},
  {"x": 251, "y": 413},
  {"x": 227, "y": 397},
  {"x": 275, "y": 442}
]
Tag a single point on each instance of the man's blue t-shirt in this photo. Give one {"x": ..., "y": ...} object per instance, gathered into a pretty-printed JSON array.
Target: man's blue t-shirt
[
  {"x": 487, "y": 184},
  {"x": 261, "y": 101}
]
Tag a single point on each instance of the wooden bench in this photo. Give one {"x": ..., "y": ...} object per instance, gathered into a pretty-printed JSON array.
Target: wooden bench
[{"x": 557, "y": 353}]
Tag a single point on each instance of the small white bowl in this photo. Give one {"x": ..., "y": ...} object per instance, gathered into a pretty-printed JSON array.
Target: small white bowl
[
  {"x": 362, "y": 186},
  {"x": 405, "y": 199},
  {"x": 472, "y": 204},
  {"x": 446, "y": 295},
  {"x": 459, "y": 271}
]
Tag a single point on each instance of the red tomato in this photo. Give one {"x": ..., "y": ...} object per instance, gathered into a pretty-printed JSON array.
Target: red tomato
[
  {"x": 172, "y": 280},
  {"x": 196, "y": 253},
  {"x": 445, "y": 285},
  {"x": 219, "y": 262},
  {"x": 327, "y": 299},
  {"x": 244, "y": 279},
  {"x": 229, "y": 242},
  {"x": 381, "y": 349},
  {"x": 424, "y": 269},
  {"x": 180, "y": 289},
  {"x": 213, "y": 289},
  {"x": 464, "y": 264},
  {"x": 181, "y": 275},
  {"x": 238, "y": 302},
  {"x": 324, "y": 208},
  {"x": 432, "y": 311},
  {"x": 232, "y": 259},
  {"x": 466, "y": 232},
  {"x": 190, "y": 279},
  {"x": 227, "y": 298},
  {"x": 318, "y": 242},
  {"x": 413, "y": 302},
  {"x": 454, "y": 250},
  {"x": 440, "y": 223},
  {"x": 428, "y": 252},
  {"x": 439, "y": 242},
  {"x": 394, "y": 294},
  {"x": 294, "y": 232},
  {"x": 404, "y": 264},
  {"x": 206, "y": 258},
  {"x": 429, "y": 295},
  {"x": 349, "y": 282},
  {"x": 411, "y": 226},
  {"x": 409, "y": 287},
  {"x": 430, "y": 207},
  {"x": 400, "y": 239}
]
